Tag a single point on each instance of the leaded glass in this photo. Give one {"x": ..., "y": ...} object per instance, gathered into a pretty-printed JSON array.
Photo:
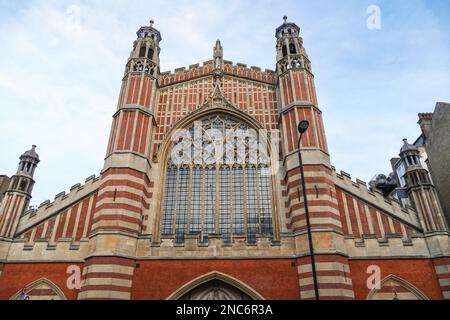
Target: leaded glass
[
  {"x": 220, "y": 185},
  {"x": 169, "y": 203}
]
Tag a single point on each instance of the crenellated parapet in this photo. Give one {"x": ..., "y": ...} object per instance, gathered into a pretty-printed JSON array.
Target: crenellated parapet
[
  {"x": 389, "y": 206},
  {"x": 62, "y": 202},
  {"x": 376, "y": 227},
  {"x": 196, "y": 71},
  {"x": 252, "y": 73}
]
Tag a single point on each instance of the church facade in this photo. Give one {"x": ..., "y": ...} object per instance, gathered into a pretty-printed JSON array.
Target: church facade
[{"x": 201, "y": 197}]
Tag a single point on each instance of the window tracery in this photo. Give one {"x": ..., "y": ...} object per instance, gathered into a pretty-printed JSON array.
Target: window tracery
[{"x": 211, "y": 190}]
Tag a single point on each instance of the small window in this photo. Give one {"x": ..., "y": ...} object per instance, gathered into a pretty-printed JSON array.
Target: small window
[
  {"x": 150, "y": 54},
  {"x": 292, "y": 49},
  {"x": 284, "y": 51},
  {"x": 142, "y": 52},
  {"x": 23, "y": 186}
]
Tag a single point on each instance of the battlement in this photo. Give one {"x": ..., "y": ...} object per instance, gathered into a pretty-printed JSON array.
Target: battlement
[
  {"x": 61, "y": 201},
  {"x": 390, "y": 206},
  {"x": 252, "y": 73},
  {"x": 194, "y": 71},
  {"x": 426, "y": 116},
  {"x": 167, "y": 78},
  {"x": 392, "y": 246}
]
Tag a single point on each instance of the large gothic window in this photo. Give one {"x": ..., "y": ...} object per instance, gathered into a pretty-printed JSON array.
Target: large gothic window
[{"x": 217, "y": 182}]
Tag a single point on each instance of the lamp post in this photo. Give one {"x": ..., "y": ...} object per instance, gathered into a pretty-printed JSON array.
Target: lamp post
[{"x": 302, "y": 128}]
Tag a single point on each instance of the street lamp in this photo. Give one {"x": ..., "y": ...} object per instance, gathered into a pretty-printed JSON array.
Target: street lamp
[{"x": 302, "y": 128}]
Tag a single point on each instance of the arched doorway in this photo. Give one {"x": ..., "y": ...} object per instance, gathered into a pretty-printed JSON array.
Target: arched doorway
[
  {"x": 41, "y": 289},
  {"x": 395, "y": 288},
  {"x": 215, "y": 286},
  {"x": 215, "y": 290}
]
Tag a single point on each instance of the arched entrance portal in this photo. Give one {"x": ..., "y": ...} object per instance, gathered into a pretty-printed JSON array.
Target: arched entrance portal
[
  {"x": 395, "y": 288},
  {"x": 215, "y": 290},
  {"x": 215, "y": 286}
]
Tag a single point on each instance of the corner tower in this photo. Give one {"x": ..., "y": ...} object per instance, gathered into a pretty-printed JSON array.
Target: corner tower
[
  {"x": 128, "y": 154},
  {"x": 134, "y": 119},
  {"x": 421, "y": 190},
  {"x": 297, "y": 101},
  {"x": 124, "y": 193},
  {"x": 18, "y": 195}
]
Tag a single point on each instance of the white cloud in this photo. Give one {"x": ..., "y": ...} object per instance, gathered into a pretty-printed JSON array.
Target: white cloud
[{"x": 60, "y": 75}]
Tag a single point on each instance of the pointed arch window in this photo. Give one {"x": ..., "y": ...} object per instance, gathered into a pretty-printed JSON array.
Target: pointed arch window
[
  {"x": 212, "y": 190},
  {"x": 292, "y": 49},
  {"x": 150, "y": 54},
  {"x": 142, "y": 52},
  {"x": 284, "y": 51}
]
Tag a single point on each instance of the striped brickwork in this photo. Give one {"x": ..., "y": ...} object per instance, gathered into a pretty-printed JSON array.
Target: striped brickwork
[
  {"x": 124, "y": 193},
  {"x": 360, "y": 219},
  {"x": 256, "y": 98},
  {"x": 442, "y": 267},
  {"x": 71, "y": 224},
  {"x": 122, "y": 197},
  {"x": 322, "y": 204},
  {"x": 106, "y": 278},
  {"x": 299, "y": 101},
  {"x": 108, "y": 214},
  {"x": 429, "y": 209},
  {"x": 11, "y": 209},
  {"x": 333, "y": 278},
  {"x": 133, "y": 122}
]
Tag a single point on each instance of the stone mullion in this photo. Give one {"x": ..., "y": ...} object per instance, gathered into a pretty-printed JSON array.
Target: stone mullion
[
  {"x": 217, "y": 207},
  {"x": 315, "y": 121},
  {"x": 177, "y": 188},
  {"x": 244, "y": 185},
  {"x": 439, "y": 207},
  {"x": 274, "y": 205},
  {"x": 188, "y": 223},
  {"x": 134, "y": 126},
  {"x": 202, "y": 209},
  {"x": 231, "y": 208},
  {"x": 306, "y": 134},
  {"x": 115, "y": 143},
  {"x": 258, "y": 196},
  {"x": 141, "y": 86}
]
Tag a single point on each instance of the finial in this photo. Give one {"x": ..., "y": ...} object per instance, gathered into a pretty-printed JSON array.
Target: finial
[
  {"x": 285, "y": 19},
  {"x": 405, "y": 140},
  {"x": 218, "y": 53},
  {"x": 151, "y": 23},
  {"x": 33, "y": 146}
]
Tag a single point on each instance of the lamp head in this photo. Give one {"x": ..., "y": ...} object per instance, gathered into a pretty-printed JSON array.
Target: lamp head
[{"x": 303, "y": 126}]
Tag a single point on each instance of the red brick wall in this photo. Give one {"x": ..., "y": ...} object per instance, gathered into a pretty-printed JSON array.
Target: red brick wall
[
  {"x": 273, "y": 279},
  {"x": 419, "y": 272},
  {"x": 16, "y": 276}
]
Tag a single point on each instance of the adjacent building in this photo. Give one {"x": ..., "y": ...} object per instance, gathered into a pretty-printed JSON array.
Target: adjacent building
[
  {"x": 4, "y": 183},
  {"x": 436, "y": 140}
]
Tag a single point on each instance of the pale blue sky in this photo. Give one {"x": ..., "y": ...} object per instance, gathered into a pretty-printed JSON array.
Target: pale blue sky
[{"x": 59, "y": 79}]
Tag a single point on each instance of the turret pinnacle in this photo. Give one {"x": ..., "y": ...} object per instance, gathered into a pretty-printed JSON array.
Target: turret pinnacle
[{"x": 218, "y": 55}]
